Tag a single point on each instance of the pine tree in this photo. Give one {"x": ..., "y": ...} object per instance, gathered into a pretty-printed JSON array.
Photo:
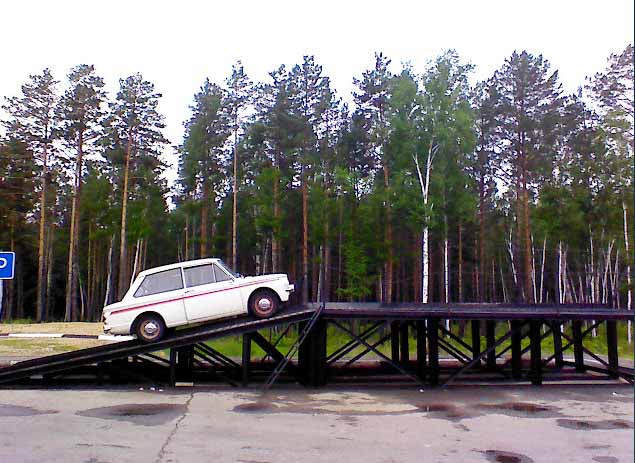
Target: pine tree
[
  {"x": 135, "y": 125},
  {"x": 80, "y": 111},
  {"x": 372, "y": 106},
  {"x": 239, "y": 89},
  {"x": 33, "y": 121},
  {"x": 527, "y": 115},
  {"x": 202, "y": 160}
]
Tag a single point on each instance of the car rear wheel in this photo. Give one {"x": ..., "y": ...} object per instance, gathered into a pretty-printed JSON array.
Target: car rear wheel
[
  {"x": 150, "y": 328},
  {"x": 263, "y": 304}
]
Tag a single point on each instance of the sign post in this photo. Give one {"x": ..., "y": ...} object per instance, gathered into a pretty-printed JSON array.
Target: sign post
[{"x": 7, "y": 271}]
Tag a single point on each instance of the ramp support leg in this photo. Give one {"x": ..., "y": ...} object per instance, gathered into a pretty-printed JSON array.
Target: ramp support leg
[
  {"x": 246, "y": 358},
  {"x": 516, "y": 349},
  {"x": 312, "y": 356},
  {"x": 181, "y": 364},
  {"x": 490, "y": 336},
  {"x": 578, "y": 352},
  {"x": 394, "y": 341},
  {"x": 404, "y": 346},
  {"x": 536, "y": 353},
  {"x": 433, "y": 348},
  {"x": 476, "y": 338},
  {"x": 557, "y": 344},
  {"x": 421, "y": 349},
  {"x": 611, "y": 344}
]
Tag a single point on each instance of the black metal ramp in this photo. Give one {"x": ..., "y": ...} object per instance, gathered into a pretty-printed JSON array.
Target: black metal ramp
[{"x": 184, "y": 337}]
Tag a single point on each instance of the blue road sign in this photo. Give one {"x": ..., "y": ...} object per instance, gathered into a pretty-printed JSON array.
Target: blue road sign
[{"x": 7, "y": 265}]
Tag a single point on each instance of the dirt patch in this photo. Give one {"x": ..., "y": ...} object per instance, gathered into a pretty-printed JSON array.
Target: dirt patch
[
  {"x": 142, "y": 414},
  {"x": 585, "y": 425},
  {"x": 21, "y": 347},
  {"x": 18, "y": 410},
  {"x": 501, "y": 456},
  {"x": 66, "y": 328}
]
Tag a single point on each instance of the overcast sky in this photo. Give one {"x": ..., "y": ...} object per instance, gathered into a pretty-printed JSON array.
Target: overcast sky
[{"x": 176, "y": 45}]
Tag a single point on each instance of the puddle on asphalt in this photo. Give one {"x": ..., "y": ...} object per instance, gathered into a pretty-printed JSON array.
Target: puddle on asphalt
[
  {"x": 500, "y": 456},
  {"x": 18, "y": 410},
  {"x": 256, "y": 407},
  {"x": 522, "y": 409},
  {"x": 585, "y": 425},
  {"x": 444, "y": 410},
  {"x": 597, "y": 447},
  {"x": 143, "y": 414},
  {"x": 605, "y": 459},
  {"x": 440, "y": 410}
]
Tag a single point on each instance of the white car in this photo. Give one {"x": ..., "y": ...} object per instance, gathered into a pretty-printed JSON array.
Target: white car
[{"x": 192, "y": 292}]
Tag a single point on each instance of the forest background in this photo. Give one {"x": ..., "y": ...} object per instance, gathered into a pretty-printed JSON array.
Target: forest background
[{"x": 425, "y": 188}]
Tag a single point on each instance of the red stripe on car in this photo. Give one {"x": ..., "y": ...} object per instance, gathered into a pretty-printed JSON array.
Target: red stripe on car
[{"x": 182, "y": 298}]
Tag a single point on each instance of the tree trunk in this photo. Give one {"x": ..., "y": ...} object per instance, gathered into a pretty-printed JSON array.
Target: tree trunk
[
  {"x": 542, "y": 268},
  {"x": 275, "y": 242},
  {"x": 235, "y": 203},
  {"x": 49, "y": 273},
  {"x": 123, "y": 243},
  {"x": 204, "y": 220},
  {"x": 305, "y": 240},
  {"x": 71, "y": 280},
  {"x": 629, "y": 288},
  {"x": 460, "y": 263},
  {"x": 629, "y": 291},
  {"x": 389, "y": 259},
  {"x": 108, "y": 298},
  {"x": 41, "y": 265},
  {"x": 446, "y": 263}
]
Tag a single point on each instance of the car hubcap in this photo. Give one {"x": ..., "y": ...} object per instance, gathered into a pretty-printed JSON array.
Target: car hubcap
[
  {"x": 264, "y": 304},
  {"x": 150, "y": 328}
]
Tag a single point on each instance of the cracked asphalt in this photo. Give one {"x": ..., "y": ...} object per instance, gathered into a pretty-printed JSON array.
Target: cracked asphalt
[{"x": 463, "y": 424}]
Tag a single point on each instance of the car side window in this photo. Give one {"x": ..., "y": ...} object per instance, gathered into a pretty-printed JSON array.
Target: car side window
[
  {"x": 199, "y": 275},
  {"x": 220, "y": 275},
  {"x": 161, "y": 282}
]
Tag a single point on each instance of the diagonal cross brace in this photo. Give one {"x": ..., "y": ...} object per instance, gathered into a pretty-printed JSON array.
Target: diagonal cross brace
[
  {"x": 484, "y": 354},
  {"x": 376, "y": 351},
  {"x": 292, "y": 351}
]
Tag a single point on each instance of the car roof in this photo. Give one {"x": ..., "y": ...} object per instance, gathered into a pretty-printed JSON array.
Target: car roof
[{"x": 186, "y": 263}]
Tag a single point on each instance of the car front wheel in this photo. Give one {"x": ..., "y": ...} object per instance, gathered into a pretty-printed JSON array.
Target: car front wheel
[
  {"x": 150, "y": 328},
  {"x": 263, "y": 304}
]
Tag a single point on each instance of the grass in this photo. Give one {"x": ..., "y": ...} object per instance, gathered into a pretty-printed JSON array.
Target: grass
[{"x": 232, "y": 345}]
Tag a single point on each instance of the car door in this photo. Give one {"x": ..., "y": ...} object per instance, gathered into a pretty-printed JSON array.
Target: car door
[
  {"x": 210, "y": 293},
  {"x": 161, "y": 292}
]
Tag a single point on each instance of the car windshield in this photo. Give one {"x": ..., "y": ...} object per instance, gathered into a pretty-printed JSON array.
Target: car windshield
[{"x": 229, "y": 270}]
